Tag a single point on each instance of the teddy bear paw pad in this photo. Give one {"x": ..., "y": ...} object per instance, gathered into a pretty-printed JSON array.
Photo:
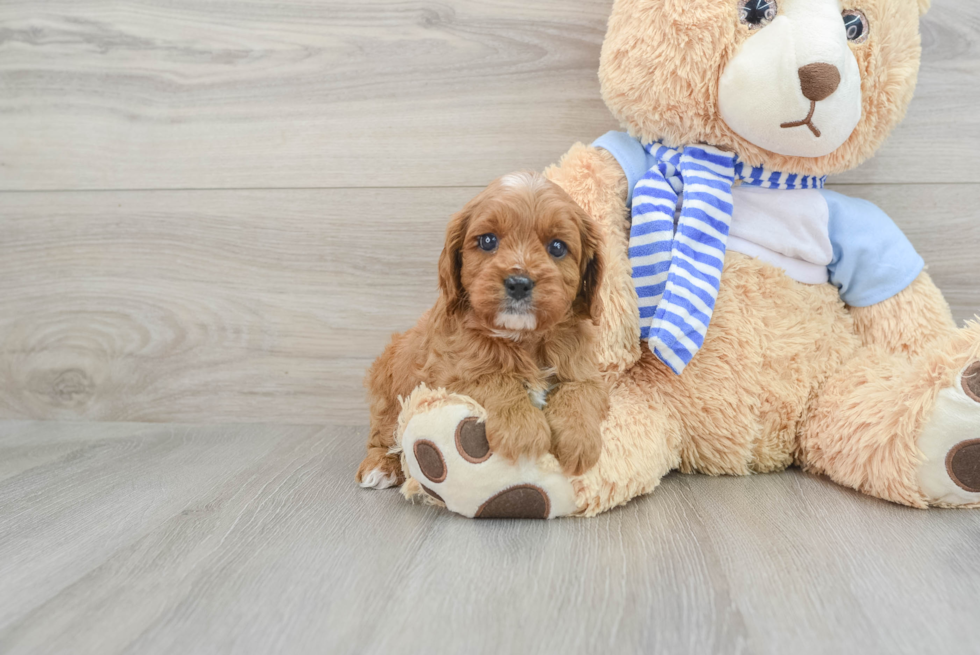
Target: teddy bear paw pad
[
  {"x": 430, "y": 460},
  {"x": 471, "y": 440},
  {"x": 950, "y": 441},
  {"x": 522, "y": 502},
  {"x": 963, "y": 465},
  {"x": 446, "y": 451}
]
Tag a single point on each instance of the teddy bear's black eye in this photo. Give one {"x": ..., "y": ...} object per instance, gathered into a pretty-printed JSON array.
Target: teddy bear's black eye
[
  {"x": 856, "y": 24},
  {"x": 757, "y": 13},
  {"x": 487, "y": 242},
  {"x": 557, "y": 249}
]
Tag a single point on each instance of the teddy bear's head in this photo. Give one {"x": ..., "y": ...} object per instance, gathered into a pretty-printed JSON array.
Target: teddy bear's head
[{"x": 801, "y": 86}]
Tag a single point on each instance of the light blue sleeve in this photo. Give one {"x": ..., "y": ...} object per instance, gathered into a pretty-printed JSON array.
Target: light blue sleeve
[
  {"x": 632, "y": 157},
  {"x": 873, "y": 259}
]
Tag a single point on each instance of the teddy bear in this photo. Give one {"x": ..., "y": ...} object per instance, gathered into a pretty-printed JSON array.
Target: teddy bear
[{"x": 752, "y": 320}]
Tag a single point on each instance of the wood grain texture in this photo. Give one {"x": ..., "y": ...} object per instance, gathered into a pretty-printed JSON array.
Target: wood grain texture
[
  {"x": 268, "y": 305},
  {"x": 330, "y": 93},
  {"x": 222, "y": 306},
  {"x": 253, "y": 539},
  {"x": 310, "y": 93}
]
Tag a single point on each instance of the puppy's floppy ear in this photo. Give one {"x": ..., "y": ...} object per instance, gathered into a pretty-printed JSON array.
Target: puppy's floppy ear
[
  {"x": 587, "y": 303},
  {"x": 451, "y": 262}
]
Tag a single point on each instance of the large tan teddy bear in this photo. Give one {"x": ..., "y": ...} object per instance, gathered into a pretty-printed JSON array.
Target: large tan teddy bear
[{"x": 822, "y": 344}]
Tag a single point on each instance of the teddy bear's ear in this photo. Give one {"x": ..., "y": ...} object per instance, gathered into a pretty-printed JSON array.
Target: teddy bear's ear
[{"x": 924, "y": 6}]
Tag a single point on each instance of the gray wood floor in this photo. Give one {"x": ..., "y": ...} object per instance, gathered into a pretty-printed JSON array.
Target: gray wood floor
[
  {"x": 135, "y": 538},
  {"x": 214, "y": 213}
]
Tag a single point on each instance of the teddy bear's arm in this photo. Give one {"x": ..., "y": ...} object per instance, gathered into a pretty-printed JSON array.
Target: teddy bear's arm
[
  {"x": 594, "y": 179},
  {"x": 881, "y": 277},
  {"x": 908, "y": 322}
]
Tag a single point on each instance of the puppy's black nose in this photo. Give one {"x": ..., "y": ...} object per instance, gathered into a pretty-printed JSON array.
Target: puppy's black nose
[{"x": 518, "y": 286}]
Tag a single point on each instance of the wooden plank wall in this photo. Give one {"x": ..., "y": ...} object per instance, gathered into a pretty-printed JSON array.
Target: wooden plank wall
[{"x": 216, "y": 210}]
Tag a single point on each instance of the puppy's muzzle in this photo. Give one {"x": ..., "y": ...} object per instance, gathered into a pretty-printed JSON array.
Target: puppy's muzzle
[{"x": 518, "y": 287}]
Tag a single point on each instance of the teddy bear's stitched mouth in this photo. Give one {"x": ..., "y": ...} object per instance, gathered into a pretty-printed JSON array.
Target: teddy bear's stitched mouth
[{"x": 808, "y": 121}]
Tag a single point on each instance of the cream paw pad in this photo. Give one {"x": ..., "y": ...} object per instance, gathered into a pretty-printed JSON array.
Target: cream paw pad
[
  {"x": 446, "y": 458},
  {"x": 950, "y": 441}
]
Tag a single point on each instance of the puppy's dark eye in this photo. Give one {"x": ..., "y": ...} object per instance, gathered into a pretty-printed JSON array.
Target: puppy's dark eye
[
  {"x": 856, "y": 24},
  {"x": 757, "y": 13},
  {"x": 487, "y": 242},
  {"x": 557, "y": 249}
]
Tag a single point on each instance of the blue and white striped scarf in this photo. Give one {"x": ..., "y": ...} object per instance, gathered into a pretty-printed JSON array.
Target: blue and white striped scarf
[{"x": 677, "y": 249}]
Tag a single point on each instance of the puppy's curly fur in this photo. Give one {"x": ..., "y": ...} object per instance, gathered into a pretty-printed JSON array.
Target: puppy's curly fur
[{"x": 503, "y": 350}]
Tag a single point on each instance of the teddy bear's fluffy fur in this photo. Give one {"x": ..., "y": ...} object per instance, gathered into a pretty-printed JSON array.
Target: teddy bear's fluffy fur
[
  {"x": 788, "y": 374},
  {"x": 678, "y": 102}
]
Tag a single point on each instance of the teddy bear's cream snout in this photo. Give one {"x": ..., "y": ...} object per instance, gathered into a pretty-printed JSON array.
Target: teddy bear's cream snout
[{"x": 794, "y": 87}]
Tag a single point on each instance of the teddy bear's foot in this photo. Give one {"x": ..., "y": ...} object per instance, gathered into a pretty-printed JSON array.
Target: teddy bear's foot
[
  {"x": 950, "y": 476},
  {"x": 447, "y": 457}
]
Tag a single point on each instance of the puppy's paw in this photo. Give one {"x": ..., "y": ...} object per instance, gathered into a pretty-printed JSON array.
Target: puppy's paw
[
  {"x": 575, "y": 413},
  {"x": 514, "y": 433},
  {"x": 576, "y": 438},
  {"x": 379, "y": 470},
  {"x": 577, "y": 449}
]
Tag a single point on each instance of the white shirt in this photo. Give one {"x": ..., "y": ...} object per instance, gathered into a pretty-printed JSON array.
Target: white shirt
[{"x": 788, "y": 229}]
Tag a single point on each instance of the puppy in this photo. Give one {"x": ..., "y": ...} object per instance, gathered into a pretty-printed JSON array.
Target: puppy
[{"x": 513, "y": 328}]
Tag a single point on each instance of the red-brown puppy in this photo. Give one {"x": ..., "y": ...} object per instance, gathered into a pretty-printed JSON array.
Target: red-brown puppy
[{"x": 512, "y": 328}]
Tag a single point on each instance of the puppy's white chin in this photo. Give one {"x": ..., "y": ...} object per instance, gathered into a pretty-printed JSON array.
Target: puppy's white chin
[{"x": 517, "y": 322}]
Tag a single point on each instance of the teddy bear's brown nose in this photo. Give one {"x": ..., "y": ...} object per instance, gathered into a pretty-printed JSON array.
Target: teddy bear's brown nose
[{"x": 818, "y": 81}]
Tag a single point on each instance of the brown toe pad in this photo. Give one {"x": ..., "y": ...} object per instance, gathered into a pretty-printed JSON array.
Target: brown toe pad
[
  {"x": 471, "y": 441},
  {"x": 430, "y": 459},
  {"x": 522, "y": 502},
  {"x": 963, "y": 465},
  {"x": 971, "y": 381}
]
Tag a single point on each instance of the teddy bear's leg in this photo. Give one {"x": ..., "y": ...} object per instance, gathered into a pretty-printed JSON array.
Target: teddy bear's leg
[
  {"x": 640, "y": 445},
  {"x": 906, "y": 430},
  {"x": 446, "y": 456},
  {"x": 597, "y": 183},
  {"x": 908, "y": 322}
]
